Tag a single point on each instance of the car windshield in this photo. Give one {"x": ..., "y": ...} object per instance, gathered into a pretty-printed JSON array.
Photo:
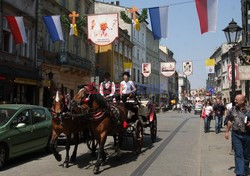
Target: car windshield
[
  {"x": 5, "y": 115},
  {"x": 198, "y": 106}
]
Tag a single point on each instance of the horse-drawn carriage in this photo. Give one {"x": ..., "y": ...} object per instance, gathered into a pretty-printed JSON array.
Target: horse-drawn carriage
[{"x": 102, "y": 120}]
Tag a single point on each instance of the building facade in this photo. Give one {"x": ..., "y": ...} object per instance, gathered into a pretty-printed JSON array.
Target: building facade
[
  {"x": 184, "y": 88},
  {"x": 19, "y": 78},
  {"x": 152, "y": 56},
  {"x": 40, "y": 66}
]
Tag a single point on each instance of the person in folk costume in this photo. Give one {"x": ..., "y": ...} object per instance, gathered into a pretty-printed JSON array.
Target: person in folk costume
[{"x": 107, "y": 88}]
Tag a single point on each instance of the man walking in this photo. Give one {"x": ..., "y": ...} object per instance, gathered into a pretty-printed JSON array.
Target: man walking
[
  {"x": 219, "y": 110},
  {"x": 239, "y": 120}
]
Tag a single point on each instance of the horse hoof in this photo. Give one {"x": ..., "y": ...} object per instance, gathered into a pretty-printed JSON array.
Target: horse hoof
[
  {"x": 96, "y": 170},
  {"x": 58, "y": 158},
  {"x": 65, "y": 165}
]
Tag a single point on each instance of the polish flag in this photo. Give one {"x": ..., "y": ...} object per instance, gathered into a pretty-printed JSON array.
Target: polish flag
[
  {"x": 207, "y": 12},
  {"x": 17, "y": 29}
]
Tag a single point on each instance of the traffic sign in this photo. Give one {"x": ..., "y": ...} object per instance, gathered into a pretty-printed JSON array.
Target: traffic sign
[{"x": 211, "y": 90}]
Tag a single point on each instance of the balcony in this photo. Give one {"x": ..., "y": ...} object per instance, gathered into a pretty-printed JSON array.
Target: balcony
[
  {"x": 66, "y": 60},
  {"x": 16, "y": 60}
]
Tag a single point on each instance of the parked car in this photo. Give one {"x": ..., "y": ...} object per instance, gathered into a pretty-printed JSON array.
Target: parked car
[
  {"x": 198, "y": 108},
  {"x": 23, "y": 129}
]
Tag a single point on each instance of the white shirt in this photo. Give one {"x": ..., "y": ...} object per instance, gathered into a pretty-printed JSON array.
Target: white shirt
[
  {"x": 229, "y": 106},
  {"x": 107, "y": 85},
  {"x": 208, "y": 110},
  {"x": 127, "y": 87}
]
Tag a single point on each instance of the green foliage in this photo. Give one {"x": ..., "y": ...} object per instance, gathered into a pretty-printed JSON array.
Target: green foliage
[
  {"x": 80, "y": 23},
  {"x": 125, "y": 17},
  {"x": 142, "y": 18}
]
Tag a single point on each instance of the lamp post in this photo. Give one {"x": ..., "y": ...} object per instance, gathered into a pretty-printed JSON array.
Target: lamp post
[{"x": 232, "y": 33}]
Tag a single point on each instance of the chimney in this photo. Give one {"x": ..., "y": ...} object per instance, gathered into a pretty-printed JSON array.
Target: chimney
[{"x": 118, "y": 3}]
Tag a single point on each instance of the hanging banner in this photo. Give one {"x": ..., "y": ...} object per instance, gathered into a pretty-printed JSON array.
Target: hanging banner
[
  {"x": 210, "y": 69},
  {"x": 103, "y": 29},
  {"x": 146, "y": 69},
  {"x": 187, "y": 68},
  {"x": 167, "y": 68},
  {"x": 128, "y": 67}
]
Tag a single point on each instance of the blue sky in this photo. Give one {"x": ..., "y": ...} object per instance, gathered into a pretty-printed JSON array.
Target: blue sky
[{"x": 184, "y": 37}]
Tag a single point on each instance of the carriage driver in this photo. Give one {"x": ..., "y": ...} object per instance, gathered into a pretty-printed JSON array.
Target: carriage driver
[
  {"x": 127, "y": 87},
  {"x": 107, "y": 87}
]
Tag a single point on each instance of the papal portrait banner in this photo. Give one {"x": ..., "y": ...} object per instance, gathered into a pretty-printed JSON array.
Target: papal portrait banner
[
  {"x": 103, "y": 28},
  {"x": 187, "y": 68}
]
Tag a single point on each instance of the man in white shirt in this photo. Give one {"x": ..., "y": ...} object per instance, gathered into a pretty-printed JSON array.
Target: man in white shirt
[
  {"x": 107, "y": 88},
  {"x": 127, "y": 87}
]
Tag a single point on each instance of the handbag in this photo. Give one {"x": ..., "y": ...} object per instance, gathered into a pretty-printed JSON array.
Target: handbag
[{"x": 203, "y": 113}]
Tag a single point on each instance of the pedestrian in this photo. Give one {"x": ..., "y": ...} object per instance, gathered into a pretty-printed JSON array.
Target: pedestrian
[
  {"x": 239, "y": 121},
  {"x": 208, "y": 112},
  {"x": 219, "y": 110}
]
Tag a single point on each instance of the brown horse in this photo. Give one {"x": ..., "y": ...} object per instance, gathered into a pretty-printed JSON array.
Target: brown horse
[
  {"x": 102, "y": 121},
  {"x": 63, "y": 122}
]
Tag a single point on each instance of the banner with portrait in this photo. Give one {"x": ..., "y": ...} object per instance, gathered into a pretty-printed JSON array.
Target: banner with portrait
[
  {"x": 187, "y": 68},
  {"x": 168, "y": 68},
  {"x": 146, "y": 69},
  {"x": 103, "y": 28}
]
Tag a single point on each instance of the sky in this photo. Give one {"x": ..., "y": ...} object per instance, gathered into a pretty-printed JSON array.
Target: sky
[{"x": 184, "y": 37}]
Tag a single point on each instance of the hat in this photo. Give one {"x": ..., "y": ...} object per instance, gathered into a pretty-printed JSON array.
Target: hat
[
  {"x": 126, "y": 73},
  {"x": 106, "y": 75}
]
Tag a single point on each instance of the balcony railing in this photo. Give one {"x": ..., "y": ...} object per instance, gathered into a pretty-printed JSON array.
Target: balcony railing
[
  {"x": 16, "y": 59},
  {"x": 66, "y": 58}
]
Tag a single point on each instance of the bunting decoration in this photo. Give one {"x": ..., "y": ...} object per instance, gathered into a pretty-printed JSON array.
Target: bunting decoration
[
  {"x": 73, "y": 26},
  {"x": 136, "y": 19},
  {"x": 17, "y": 28},
  {"x": 146, "y": 69},
  {"x": 159, "y": 21},
  {"x": 187, "y": 68},
  {"x": 207, "y": 13},
  {"x": 128, "y": 67},
  {"x": 168, "y": 68},
  {"x": 79, "y": 24},
  {"x": 54, "y": 27},
  {"x": 210, "y": 63}
]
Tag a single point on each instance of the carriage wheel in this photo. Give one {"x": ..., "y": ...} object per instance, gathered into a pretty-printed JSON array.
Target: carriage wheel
[
  {"x": 153, "y": 129},
  {"x": 138, "y": 137}
]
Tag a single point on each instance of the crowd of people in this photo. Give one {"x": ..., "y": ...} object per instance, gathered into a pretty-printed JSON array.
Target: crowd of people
[{"x": 237, "y": 120}]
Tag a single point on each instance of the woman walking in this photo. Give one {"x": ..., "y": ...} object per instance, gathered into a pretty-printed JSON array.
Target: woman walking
[{"x": 208, "y": 110}]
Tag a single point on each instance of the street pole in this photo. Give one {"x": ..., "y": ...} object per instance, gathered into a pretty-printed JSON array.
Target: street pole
[
  {"x": 232, "y": 57},
  {"x": 36, "y": 34}
]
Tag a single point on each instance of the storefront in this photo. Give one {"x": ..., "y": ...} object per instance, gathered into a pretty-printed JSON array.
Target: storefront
[{"x": 18, "y": 86}]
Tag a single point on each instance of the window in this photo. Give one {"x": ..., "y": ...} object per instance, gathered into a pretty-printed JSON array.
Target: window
[
  {"x": 48, "y": 43},
  {"x": 138, "y": 54},
  {"x": 134, "y": 74},
  {"x": 23, "y": 117},
  {"x": 143, "y": 40},
  {"x": 126, "y": 51},
  {"x": 120, "y": 48},
  {"x": 38, "y": 115},
  {"x": 63, "y": 3},
  {"x": 25, "y": 47},
  {"x": 8, "y": 42},
  {"x": 138, "y": 75}
]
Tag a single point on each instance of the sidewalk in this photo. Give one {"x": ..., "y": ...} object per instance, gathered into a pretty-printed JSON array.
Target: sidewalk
[{"x": 215, "y": 158}]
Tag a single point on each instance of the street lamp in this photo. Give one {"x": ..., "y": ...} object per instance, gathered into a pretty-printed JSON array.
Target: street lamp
[{"x": 232, "y": 33}]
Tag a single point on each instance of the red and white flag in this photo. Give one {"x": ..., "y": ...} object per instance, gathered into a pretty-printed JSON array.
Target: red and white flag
[
  {"x": 17, "y": 29},
  {"x": 207, "y": 12}
]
